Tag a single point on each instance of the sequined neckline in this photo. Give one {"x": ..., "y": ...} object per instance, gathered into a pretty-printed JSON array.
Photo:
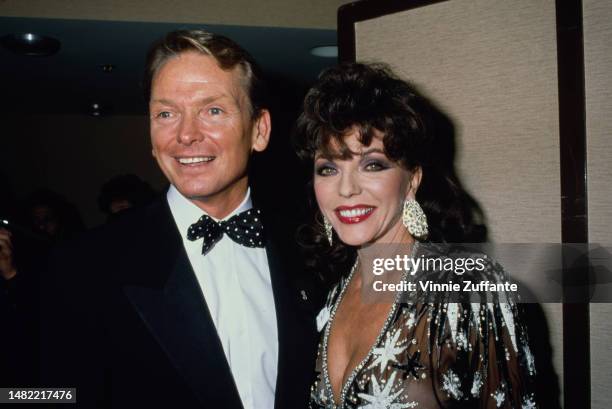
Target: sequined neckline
[{"x": 366, "y": 358}]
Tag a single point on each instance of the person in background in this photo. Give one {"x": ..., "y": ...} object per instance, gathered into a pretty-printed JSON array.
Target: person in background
[
  {"x": 49, "y": 215},
  {"x": 21, "y": 252},
  {"x": 124, "y": 192}
]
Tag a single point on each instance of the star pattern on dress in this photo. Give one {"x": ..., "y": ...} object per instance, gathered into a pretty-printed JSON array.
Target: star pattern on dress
[
  {"x": 452, "y": 313},
  {"x": 476, "y": 385},
  {"x": 411, "y": 367},
  {"x": 323, "y": 318},
  {"x": 528, "y": 402},
  {"x": 506, "y": 310},
  {"x": 476, "y": 313},
  {"x": 461, "y": 341},
  {"x": 499, "y": 397},
  {"x": 411, "y": 319},
  {"x": 388, "y": 352},
  {"x": 451, "y": 384},
  {"x": 384, "y": 398},
  {"x": 529, "y": 359}
]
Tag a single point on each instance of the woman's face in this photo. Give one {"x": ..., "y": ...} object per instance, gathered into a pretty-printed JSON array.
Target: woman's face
[{"x": 363, "y": 196}]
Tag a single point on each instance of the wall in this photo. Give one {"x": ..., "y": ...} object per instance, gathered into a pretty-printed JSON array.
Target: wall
[
  {"x": 597, "y": 17},
  {"x": 267, "y": 13}
]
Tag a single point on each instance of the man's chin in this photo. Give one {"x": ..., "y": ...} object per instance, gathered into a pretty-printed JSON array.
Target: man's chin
[
  {"x": 195, "y": 193},
  {"x": 201, "y": 192},
  {"x": 191, "y": 187}
]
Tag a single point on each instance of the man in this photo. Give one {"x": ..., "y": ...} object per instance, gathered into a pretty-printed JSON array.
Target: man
[{"x": 189, "y": 302}]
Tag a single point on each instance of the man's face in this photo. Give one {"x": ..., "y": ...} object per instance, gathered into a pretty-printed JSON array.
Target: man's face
[{"x": 202, "y": 130}]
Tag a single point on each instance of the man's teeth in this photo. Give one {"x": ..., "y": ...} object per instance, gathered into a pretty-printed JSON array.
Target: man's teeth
[
  {"x": 355, "y": 212},
  {"x": 186, "y": 161}
]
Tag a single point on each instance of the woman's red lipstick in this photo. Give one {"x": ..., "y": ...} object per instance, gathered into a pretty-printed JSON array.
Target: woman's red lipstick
[{"x": 354, "y": 214}]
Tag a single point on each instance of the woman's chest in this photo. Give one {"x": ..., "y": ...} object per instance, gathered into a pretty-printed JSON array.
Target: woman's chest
[{"x": 356, "y": 327}]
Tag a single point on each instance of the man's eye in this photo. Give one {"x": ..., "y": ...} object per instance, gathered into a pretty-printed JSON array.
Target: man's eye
[
  {"x": 215, "y": 111},
  {"x": 164, "y": 115},
  {"x": 325, "y": 170}
]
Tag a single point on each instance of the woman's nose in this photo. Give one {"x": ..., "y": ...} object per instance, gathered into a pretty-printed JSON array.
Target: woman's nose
[{"x": 349, "y": 185}]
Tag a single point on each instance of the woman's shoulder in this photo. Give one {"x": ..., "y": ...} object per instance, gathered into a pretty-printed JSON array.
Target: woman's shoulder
[{"x": 473, "y": 293}]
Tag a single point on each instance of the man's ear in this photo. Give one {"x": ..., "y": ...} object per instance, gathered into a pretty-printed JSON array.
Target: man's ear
[
  {"x": 262, "y": 127},
  {"x": 415, "y": 182}
]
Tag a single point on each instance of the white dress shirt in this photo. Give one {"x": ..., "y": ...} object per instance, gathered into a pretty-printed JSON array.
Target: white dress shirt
[{"x": 235, "y": 281}]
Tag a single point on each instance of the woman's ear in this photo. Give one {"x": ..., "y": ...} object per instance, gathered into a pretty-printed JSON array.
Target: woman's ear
[{"x": 415, "y": 182}]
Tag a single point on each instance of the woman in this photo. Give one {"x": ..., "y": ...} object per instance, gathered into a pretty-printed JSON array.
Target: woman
[{"x": 365, "y": 132}]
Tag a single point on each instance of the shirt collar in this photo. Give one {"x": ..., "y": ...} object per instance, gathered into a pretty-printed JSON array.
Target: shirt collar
[{"x": 185, "y": 212}]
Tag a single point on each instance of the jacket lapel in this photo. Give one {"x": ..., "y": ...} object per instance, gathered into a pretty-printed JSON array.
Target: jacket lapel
[
  {"x": 173, "y": 308},
  {"x": 296, "y": 331}
]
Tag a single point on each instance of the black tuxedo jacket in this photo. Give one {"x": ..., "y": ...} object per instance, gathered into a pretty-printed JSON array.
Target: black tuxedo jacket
[{"x": 124, "y": 320}]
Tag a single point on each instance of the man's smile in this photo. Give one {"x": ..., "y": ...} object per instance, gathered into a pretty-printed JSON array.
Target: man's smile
[{"x": 195, "y": 160}]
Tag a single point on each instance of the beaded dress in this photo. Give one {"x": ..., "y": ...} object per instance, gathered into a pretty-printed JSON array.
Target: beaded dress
[{"x": 435, "y": 355}]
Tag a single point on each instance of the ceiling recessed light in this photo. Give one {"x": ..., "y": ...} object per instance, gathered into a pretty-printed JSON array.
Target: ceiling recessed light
[
  {"x": 30, "y": 44},
  {"x": 99, "y": 109},
  {"x": 95, "y": 109},
  {"x": 325, "y": 51},
  {"x": 107, "y": 68}
]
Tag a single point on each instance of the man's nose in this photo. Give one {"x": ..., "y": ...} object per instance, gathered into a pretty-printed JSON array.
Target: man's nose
[
  {"x": 349, "y": 184},
  {"x": 189, "y": 130}
]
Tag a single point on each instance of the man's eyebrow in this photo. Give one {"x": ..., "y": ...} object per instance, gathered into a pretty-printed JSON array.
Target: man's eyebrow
[
  {"x": 205, "y": 100},
  {"x": 162, "y": 101}
]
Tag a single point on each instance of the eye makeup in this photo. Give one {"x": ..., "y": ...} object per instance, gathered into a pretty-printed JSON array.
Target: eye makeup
[{"x": 325, "y": 168}]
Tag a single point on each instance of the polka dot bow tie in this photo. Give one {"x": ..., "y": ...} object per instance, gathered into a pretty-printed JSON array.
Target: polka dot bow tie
[{"x": 244, "y": 228}]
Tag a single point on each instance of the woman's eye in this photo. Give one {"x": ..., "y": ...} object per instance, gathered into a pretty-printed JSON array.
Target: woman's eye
[
  {"x": 325, "y": 170},
  {"x": 374, "y": 166}
]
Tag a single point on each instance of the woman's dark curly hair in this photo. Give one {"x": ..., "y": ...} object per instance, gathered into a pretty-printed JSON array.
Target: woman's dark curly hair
[{"x": 369, "y": 98}]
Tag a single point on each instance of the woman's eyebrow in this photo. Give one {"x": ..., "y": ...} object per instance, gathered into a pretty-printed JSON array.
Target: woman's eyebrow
[
  {"x": 350, "y": 153},
  {"x": 323, "y": 156},
  {"x": 371, "y": 150}
]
